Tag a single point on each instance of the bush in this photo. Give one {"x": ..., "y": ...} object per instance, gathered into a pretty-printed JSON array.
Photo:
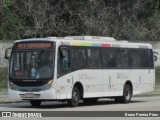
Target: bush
[
  {"x": 157, "y": 76},
  {"x": 3, "y": 79}
]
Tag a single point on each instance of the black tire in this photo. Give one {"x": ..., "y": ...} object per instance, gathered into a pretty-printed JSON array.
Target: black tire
[
  {"x": 74, "y": 101},
  {"x": 90, "y": 100},
  {"x": 35, "y": 103},
  {"x": 127, "y": 94}
]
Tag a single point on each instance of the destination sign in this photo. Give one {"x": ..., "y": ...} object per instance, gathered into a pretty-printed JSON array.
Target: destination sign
[{"x": 29, "y": 45}]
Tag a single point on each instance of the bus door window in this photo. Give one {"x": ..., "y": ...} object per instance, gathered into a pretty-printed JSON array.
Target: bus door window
[{"x": 64, "y": 60}]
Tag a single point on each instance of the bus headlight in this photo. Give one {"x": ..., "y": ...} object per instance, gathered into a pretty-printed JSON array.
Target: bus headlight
[
  {"x": 48, "y": 85},
  {"x": 50, "y": 82}
]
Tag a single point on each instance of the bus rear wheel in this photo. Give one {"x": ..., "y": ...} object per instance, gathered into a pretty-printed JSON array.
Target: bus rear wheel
[
  {"x": 74, "y": 101},
  {"x": 35, "y": 103},
  {"x": 127, "y": 94}
]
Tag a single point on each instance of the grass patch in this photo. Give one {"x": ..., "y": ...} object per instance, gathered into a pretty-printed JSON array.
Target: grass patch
[
  {"x": 157, "y": 76},
  {"x": 3, "y": 79}
]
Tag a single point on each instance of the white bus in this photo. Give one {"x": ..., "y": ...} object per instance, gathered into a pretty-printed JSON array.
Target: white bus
[{"x": 77, "y": 68}]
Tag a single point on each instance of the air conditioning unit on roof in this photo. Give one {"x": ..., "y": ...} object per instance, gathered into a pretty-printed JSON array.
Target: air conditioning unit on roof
[{"x": 92, "y": 38}]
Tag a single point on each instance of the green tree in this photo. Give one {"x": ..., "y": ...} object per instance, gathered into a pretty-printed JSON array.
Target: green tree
[
  {"x": 11, "y": 27},
  {"x": 121, "y": 19}
]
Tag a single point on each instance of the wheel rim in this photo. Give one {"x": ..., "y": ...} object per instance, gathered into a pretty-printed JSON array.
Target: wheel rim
[
  {"x": 75, "y": 97},
  {"x": 128, "y": 94}
]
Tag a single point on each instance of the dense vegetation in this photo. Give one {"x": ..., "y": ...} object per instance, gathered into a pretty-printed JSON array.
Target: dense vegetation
[
  {"x": 121, "y": 19},
  {"x": 3, "y": 79}
]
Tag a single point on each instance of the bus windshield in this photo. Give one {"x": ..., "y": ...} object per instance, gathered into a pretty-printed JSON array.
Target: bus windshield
[{"x": 32, "y": 64}]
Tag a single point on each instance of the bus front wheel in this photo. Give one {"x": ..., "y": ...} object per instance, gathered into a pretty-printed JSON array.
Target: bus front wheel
[
  {"x": 127, "y": 94},
  {"x": 35, "y": 103},
  {"x": 74, "y": 101}
]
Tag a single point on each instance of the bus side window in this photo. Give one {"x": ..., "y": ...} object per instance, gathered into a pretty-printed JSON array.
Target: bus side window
[
  {"x": 147, "y": 58},
  {"x": 78, "y": 58},
  {"x": 109, "y": 57},
  {"x": 135, "y": 59},
  {"x": 122, "y": 58},
  {"x": 63, "y": 61},
  {"x": 93, "y": 57}
]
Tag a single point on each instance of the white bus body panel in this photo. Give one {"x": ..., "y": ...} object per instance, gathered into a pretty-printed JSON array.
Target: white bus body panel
[
  {"x": 110, "y": 85},
  {"x": 90, "y": 79}
]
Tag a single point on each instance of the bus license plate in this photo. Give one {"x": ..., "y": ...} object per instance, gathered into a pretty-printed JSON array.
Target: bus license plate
[{"x": 29, "y": 95}]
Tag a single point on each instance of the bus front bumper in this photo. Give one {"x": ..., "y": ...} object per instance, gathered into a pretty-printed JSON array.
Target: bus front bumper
[{"x": 49, "y": 94}]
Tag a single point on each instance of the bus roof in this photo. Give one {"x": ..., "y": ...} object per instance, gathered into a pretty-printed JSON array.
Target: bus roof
[{"x": 90, "y": 41}]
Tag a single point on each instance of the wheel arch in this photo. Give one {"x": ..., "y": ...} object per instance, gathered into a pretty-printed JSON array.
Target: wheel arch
[
  {"x": 80, "y": 88},
  {"x": 128, "y": 82}
]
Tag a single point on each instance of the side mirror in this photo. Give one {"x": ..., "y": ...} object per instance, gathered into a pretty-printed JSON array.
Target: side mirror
[{"x": 8, "y": 53}]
